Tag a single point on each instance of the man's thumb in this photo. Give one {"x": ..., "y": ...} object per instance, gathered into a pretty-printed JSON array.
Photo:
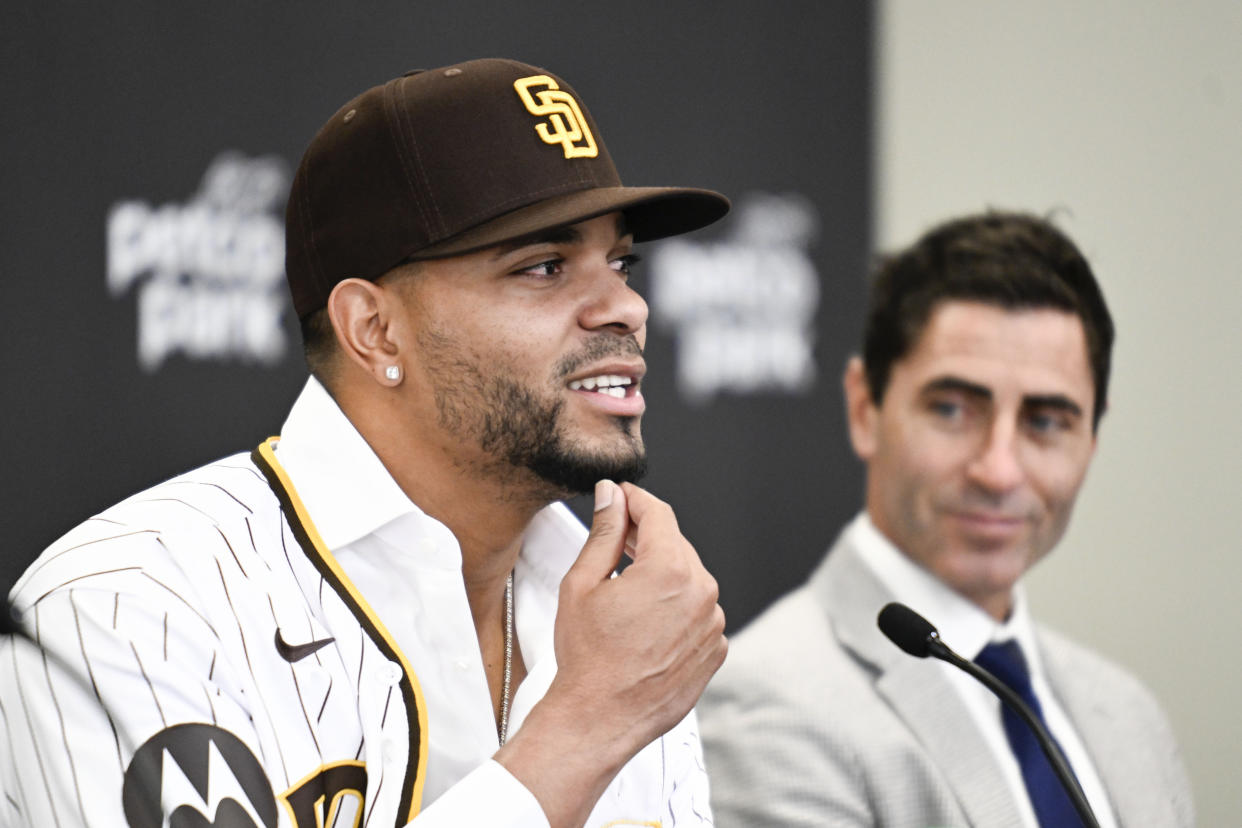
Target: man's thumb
[{"x": 602, "y": 551}]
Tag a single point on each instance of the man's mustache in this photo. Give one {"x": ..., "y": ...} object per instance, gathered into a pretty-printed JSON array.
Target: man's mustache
[{"x": 597, "y": 348}]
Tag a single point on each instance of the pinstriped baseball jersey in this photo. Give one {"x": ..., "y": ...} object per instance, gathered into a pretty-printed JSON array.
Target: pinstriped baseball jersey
[
  {"x": 220, "y": 667},
  {"x": 168, "y": 608}
]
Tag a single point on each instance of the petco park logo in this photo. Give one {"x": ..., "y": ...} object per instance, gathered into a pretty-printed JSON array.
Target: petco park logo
[
  {"x": 209, "y": 271},
  {"x": 743, "y": 308}
]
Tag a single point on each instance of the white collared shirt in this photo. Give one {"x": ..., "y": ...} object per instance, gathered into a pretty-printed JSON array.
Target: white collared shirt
[
  {"x": 408, "y": 566},
  {"x": 968, "y": 629}
]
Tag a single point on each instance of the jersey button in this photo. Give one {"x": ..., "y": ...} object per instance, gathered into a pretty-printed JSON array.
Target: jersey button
[{"x": 391, "y": 674}]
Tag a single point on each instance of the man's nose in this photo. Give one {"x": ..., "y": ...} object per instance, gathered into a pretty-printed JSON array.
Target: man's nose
[
  {"x": 613, "y": 304},
  {"x": 997, "y": 467}
]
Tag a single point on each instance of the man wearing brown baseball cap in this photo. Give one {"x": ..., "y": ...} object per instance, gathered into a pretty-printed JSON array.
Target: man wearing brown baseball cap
[{"x": 385, "y": 615}]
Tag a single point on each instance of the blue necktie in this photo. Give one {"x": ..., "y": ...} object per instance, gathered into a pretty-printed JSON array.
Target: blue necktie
[{"x": 1052, "y": 804}]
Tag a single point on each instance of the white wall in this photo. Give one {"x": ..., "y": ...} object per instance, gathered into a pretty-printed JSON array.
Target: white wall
[{"x": 1126, "y": 118}]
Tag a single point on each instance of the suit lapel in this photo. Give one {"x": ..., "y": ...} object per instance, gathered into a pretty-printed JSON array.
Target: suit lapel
[
  {"x": 924, "y": 699},
  {"x": 1118, "y": 750},
  {"x": 916, "y": 689}
]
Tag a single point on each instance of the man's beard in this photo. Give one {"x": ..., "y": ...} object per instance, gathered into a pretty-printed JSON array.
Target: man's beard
[
  {"x": 526, "y": 431},
  {"x": 521, "y": 428}
]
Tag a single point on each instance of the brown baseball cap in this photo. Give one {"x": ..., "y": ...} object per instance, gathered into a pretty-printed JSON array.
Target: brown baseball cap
[{"x": 446, "y": 161}]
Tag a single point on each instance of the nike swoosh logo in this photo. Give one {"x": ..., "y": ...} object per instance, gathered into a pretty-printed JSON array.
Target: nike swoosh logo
[{"x": 297, "y": 652}]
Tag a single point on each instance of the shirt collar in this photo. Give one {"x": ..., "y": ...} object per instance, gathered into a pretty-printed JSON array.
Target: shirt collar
[
  {"x": 552, "y": 543},
  {"x": 962, "y": 625},
  {"x": 344, "y": 486}
]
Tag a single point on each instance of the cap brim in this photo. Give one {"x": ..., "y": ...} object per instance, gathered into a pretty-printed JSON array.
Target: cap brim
[{"x": 650, "y": 212}]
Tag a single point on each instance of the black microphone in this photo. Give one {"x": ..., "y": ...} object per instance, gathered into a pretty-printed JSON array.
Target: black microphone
[{"x": 915, "y": 635}]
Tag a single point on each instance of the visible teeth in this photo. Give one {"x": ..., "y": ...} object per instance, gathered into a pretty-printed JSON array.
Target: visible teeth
[{"x": 609, "y": 383}]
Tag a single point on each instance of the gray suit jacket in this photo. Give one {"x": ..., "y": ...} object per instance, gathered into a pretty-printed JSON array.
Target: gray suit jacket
[{"x": 816, "y": 719}]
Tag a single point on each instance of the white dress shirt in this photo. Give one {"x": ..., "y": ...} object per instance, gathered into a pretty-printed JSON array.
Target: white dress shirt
[
  {"x": 968, "y": 629},
  {"x": 408, "y": 566}
]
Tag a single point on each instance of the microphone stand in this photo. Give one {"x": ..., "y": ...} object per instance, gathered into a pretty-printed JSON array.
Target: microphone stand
[
  {"x": 938, "y": 649},
  {"x": 916, "y": 636}
]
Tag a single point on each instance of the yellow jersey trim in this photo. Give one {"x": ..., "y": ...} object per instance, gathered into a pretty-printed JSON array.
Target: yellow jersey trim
[{"x": 265, "y": 458}]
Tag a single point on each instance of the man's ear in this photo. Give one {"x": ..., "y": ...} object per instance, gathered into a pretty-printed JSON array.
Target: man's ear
[
  {"x": 861, "y": 413},
  {"x": 363, "y": 315}
]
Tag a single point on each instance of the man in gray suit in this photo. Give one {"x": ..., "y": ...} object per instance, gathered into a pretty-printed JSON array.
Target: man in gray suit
[{"x": 975, "y": 406}]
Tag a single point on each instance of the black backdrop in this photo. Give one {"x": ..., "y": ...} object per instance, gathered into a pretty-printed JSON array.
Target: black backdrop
[{"x": 107, "y": 103}]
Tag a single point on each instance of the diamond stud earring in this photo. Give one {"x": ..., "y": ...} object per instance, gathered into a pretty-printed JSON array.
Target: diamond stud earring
[{"x": 392, "y": 372}]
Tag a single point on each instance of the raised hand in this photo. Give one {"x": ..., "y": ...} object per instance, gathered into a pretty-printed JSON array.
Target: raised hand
[{"x": 634, "y": 653}]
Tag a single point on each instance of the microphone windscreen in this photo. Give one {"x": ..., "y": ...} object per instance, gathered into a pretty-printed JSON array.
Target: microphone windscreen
[{"x": 906, "y": 628}]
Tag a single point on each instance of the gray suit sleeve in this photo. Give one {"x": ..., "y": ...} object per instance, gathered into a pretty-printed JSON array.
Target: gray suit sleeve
[{"x": 771, "y": 757}]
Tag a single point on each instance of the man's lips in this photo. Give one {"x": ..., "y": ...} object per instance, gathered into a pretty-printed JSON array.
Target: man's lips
[
  {"x": 990, "y": 523},
  {"x": 614, "y": 388}
]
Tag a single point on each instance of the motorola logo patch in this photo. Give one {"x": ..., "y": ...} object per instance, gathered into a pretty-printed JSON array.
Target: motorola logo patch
[{"x": 197, "y": 775}]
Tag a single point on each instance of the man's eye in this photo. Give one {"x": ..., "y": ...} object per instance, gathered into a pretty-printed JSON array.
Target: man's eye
[
  {"x": 552, "y": 267},
  {"x": 946, "y": 409},
  {"x": 1047, "y": 422},
  {"x": 625, "y": 264}
]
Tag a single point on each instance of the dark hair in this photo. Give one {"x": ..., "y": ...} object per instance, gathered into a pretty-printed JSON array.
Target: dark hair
[
  {"x": 319, "y": 344},
  {"x": 1012, "y": 260}
]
